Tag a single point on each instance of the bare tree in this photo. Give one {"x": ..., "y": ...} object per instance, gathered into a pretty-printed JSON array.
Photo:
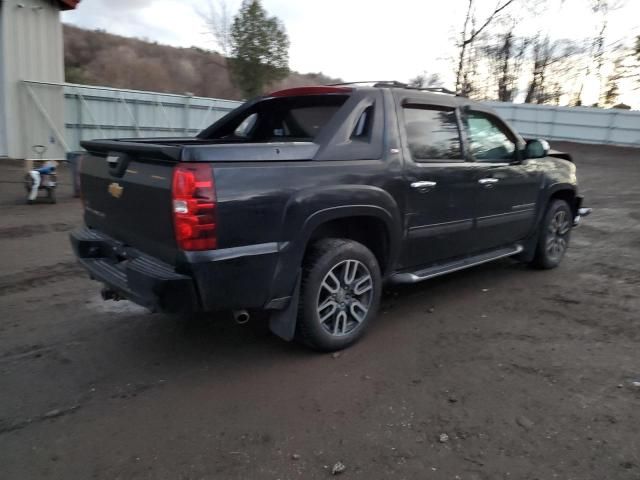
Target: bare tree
[
  {"x": 626, "y": 66},
  {"x": 218, "y": 19},
  {"x": 505, "y": 79},
  {"x": 612, "y": 89},
  {"x": 553, "y": 62},
  {"x": 469, "y": 35},
  {"x": 636, "y": 54},
  {"x": 505, "y": 54},
  {"x": 471, "y": 83},
  {"x": 426, "y": 80},
  {"x": 597, "y": 55}
]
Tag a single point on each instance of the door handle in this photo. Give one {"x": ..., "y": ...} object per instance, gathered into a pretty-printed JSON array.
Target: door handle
[
  {"x": 488, "y": 181},
  {"x": 423, "y": 185}
]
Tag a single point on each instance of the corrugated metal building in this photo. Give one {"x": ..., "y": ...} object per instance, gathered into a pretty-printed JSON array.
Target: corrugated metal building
[{"x": 31, "y": 48}]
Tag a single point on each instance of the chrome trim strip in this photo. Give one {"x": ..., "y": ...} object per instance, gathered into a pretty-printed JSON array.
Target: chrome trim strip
[
  {"x": 488, "y": 181},
  {"x": 524, "y": 206},
  {"x": 234, "y": 252},
  {"x": 505, "y": 217},
  {"x": 440, "y": 228},
  {"x": 423, "y": 184}
]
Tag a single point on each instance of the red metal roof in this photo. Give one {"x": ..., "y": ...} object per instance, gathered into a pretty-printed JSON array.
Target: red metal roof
[{"x": 68, "y": 4}]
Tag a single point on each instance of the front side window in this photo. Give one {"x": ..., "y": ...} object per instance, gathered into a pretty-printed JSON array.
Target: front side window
[
  {"x": 432, "y": 134},
  {"x": 488, "y": 140}
]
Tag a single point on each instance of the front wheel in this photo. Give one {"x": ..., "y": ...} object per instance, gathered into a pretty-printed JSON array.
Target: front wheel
[
  {"x": 340, "y": 294},
  {"x": 555, "y": 232}
]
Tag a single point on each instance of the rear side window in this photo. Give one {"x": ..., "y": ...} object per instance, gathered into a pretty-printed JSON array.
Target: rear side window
[
  {"x": 362, "y": 128},
  {"x": 432, "y": 133},
  {"x": 246, "y": 127},
  {"x": 282, "y": 119}
]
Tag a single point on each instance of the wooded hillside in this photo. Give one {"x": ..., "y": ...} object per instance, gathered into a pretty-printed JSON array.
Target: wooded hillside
[{"x": 100, "y": 58}]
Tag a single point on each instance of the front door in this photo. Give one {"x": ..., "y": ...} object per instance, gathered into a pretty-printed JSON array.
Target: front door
[
  {"x": 440, "y": 186},
  {"x": 507, "y": 186}
]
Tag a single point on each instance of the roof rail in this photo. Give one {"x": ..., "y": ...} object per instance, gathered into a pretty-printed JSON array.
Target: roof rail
[
  {"x": 434, "y": 89},
  {"x": 375, "y": 83},
  {"x": 396, "y": 84}
]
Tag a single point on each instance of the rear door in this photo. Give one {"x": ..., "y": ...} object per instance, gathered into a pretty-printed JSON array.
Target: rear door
[
  {"x": 440, "y": 185},
  {"x": 507, "y": 187}
]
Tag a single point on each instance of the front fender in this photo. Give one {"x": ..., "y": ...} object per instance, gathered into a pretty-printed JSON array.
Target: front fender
[{"x": 559, "y": 175}]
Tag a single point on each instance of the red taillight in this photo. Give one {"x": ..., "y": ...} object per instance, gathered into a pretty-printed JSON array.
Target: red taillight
[{"x": 194, "y": 207}]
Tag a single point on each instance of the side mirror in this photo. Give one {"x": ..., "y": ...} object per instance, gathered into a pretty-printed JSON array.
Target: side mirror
[{"x": 537, "y": 148}]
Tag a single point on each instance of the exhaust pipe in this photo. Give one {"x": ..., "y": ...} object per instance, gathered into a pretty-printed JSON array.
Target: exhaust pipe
[{"x": 241, "y": 316}]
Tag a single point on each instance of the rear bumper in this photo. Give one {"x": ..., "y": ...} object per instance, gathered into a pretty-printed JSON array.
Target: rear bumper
[
  {"x": 132, "y": 275},
  {"x": 225, "y": 279}
]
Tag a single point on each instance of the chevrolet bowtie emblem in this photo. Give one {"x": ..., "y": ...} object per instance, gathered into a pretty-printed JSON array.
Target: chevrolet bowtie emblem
[{"x": 115, "y": 190}]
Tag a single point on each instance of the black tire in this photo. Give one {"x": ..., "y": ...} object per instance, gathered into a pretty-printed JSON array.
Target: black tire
[
  {"x": 555, "y": 232},
  {"x": 349, "y": 262},
  {"x": 51, "y": 194}
]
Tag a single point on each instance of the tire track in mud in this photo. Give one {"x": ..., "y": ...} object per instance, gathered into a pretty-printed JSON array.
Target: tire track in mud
[
  {"x": 37, "y": 277},
  {"x": 117, "y": 394},
  {"x": 11, "y": 425},
  {"x": 25, "y": 231}
]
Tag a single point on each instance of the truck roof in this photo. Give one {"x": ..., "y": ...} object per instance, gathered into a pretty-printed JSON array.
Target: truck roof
[{"x": 435, "y": 95}]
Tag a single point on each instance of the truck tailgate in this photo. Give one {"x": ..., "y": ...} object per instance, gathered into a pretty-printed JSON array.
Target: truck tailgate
[{"x": 127, "y": 195}]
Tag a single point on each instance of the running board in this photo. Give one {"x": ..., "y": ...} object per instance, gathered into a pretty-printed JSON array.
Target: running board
[{"x": 437, "y": 270}]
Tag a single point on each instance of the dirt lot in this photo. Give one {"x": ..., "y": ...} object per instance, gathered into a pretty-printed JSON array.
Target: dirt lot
[{"x": 529, "y": 374}]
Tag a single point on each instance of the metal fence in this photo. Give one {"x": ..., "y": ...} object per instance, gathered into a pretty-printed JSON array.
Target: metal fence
[
  {"x": 100, "y": 112},
  {"x": 576, "y": 124}
]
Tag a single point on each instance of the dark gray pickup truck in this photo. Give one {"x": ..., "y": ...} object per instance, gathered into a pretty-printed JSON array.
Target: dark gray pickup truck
[{"x": 305, "y": 201}]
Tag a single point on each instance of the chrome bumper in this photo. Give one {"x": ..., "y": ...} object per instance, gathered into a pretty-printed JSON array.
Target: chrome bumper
[{"x": 582, "y": 212}]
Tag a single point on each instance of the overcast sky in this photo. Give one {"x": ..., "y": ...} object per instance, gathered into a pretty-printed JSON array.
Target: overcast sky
[{"x": 353, "y": 39}]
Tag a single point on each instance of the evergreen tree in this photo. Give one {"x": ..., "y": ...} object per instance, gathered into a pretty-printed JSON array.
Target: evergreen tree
[{"x": 259, "y": 49}]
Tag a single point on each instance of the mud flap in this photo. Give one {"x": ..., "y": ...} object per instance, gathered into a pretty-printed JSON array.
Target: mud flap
[{"x": 283, "y": 322}]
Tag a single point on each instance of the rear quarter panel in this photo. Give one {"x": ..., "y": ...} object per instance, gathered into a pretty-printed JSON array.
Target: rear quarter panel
[{"x": 283, "y": 203}]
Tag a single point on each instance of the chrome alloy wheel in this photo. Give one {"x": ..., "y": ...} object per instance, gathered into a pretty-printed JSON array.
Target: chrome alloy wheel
[
  {"x": 345, "y": 297},
  {"x": 558, "y": 235}
]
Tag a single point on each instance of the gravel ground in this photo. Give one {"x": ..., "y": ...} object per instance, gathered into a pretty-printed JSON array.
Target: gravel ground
[{"x": 498, "y": 372}]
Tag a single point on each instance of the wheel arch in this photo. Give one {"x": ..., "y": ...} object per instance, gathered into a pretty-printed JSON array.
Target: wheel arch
[
  {"x": 368, "y": 229},
  {"x": 376, "y": 213},
  {"x": 326, "y": 223},
  {"x": 372, "y": 225},
  {"x": 561, "y": 191}
]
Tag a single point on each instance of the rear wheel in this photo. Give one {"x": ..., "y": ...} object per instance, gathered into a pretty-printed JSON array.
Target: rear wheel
[
  {"x": 340, "y": 294},
  {"x": 555, "y": 232},
  {"x": 51, "y": 194}
]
